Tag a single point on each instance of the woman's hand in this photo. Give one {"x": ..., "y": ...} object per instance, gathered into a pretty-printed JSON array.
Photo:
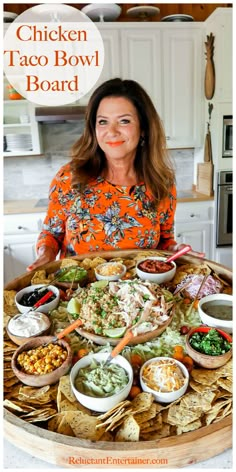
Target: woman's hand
[
  {"x": 45, "y": 255},
  {"x": 177, "y": 247}
]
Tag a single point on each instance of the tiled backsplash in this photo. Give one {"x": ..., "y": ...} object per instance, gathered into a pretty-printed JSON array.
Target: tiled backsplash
[{"x": 34, "y": 174}]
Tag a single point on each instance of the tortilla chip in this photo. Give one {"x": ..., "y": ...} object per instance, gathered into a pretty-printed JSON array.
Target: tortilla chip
[
  {"x": 152, "y": 436},
  {"x": 205, "y": 376},
  {"x": 197, "y": 387},
  {"x": 67, "y": 262},
  {"x": 181, "y": 416},
  {"x": 142, "y": 402},
  {"x": 66, "y": 405},
  {"x": 114, "y": 409},
  {"x": 96, "y": 261},
  {"x": 216, "y": 408},
  {"x": 226, "y": 384},
  {"x": 189, "y": 427},
  {"x": 118, "y": 420},
  {"x": 194, "y": 400},
  {"x": 154, "y": 425},
  {"x": 9, "y": 297},
  {"x": 84, "y": 426},
  {"x": 65, "y": 388},
  {"x": 129, "y": 431},
  {"x": 39, "y": 277},
  {"x": 227, "y": 369},
  {"x": 146, "y": 415}
]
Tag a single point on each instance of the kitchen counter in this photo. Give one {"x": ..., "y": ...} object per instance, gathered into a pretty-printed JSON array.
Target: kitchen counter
[
  {"x": 15, "y": 458},
  {"x": 39, "y": 206}
]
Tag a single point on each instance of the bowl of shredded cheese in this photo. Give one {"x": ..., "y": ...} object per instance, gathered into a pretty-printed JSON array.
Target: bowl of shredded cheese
[
  {"x": 110, "y": 271},
  {"x": 166, "y": 378}
]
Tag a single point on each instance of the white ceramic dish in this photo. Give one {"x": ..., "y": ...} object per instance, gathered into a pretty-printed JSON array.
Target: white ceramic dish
[
  {"x": 110, "y": 271},
  {"x": 165, "y": 397},
  {"x": 43, "y": 308},
  {"x": 158, "y": 278},
  {"x": 227, "y": 326},
  {"x": 16, "y": 338},
  {"x": 101, "y": 404}
]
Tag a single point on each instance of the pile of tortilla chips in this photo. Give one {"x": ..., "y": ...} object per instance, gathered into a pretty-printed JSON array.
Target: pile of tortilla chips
[{"x": 208, "y": 400}]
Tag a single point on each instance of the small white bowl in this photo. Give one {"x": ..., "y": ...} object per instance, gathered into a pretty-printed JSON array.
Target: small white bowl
[
  {"x": 46, "y": 307},
  {"x": 158, "y": 277},
  {"x": 110, "y": 271},
  {"x": 165, "y": 397},
  {"x": 101, "y": 404},
  {"x": 209, "y": 320},
  {"x": 19, "y": 339}
]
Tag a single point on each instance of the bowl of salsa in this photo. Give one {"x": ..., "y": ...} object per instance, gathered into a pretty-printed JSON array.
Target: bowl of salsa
[{"x": 156, "y": 269}]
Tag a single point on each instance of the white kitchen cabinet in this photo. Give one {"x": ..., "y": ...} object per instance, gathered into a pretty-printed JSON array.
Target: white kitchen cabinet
[
  {"x": 22, "y": 133},
  {"x": 194, "y": 226},
  {"x": 141, "y": 59},
  {"x": 20, "y": 235},
  {"x": 167, "y": 62},
  {"x": 224, "y": 256},
  {"x": 183, "y": 97}
]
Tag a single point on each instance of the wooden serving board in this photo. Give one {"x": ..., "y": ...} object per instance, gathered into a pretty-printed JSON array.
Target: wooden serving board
[{"x": 71, "y": 452}]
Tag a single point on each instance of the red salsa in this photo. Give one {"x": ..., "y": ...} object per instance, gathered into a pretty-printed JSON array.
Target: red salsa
[{"x": 153, "y": 266}]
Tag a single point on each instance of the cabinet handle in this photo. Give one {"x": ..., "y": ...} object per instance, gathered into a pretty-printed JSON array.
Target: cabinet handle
[
  {"x": 22, "y": 227},
  {"x": 178, "y": 235},
  {"x": 168, "y": 138},
  {"x": 192, "y": 215},
  {"x": 6, "y": 248}
]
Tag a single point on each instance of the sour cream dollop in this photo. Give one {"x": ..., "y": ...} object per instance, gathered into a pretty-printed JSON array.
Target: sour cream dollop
[{"x": 27, "y": 325}]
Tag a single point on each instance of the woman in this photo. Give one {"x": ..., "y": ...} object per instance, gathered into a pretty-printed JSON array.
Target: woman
[{"x": 118, "y": 191}]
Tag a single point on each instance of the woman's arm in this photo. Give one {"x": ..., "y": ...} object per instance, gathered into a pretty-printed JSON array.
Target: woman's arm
[{"x": 52, "y": 235}]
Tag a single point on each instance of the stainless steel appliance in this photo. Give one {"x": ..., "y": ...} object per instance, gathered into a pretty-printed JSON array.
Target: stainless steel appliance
[
  {"x": 224, "y": 209},
  {"x": 227, "y": 150}
]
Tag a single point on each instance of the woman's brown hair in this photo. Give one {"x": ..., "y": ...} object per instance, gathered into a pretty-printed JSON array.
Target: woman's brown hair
[{"x": 152, "y": 163}]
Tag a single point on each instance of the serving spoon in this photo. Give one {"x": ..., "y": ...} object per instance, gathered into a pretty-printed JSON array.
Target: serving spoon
[{"x": 179, "y": 253}]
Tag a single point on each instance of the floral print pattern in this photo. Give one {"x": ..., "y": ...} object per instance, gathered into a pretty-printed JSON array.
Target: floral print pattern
[{"x": 105, "y": 217}]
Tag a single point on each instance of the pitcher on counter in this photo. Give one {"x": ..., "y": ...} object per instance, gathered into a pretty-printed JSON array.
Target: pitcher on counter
[{"x": 118, "y": 191}]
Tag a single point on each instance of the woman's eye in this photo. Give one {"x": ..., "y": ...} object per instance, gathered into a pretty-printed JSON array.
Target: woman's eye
[
  {"x": 124, "y": 121},
  {"x": 102, "y": 122}
]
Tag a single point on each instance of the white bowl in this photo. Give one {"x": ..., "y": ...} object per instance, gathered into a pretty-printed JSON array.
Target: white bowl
[
  {"x": 158, "y": 278},
  {"x": 46, "y": 307},
  {"x": 165, "y": 397},
  {"x": 110, "y": 271},
  {"x": 210, "y": 320},
  {"x": 101, "y": 404}
]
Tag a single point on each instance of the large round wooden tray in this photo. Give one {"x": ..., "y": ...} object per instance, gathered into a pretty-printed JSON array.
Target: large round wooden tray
[{"x": 70, "y": 452}]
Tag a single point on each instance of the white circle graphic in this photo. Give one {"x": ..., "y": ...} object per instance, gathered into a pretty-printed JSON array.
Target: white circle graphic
[{"x": 53, "y": 54}]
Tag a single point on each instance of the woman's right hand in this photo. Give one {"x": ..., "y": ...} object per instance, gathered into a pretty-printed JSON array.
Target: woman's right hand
[{"x": 45, "y": 255}]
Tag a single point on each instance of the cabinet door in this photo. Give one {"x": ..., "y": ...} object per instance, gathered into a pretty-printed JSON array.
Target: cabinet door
[
  {"x": 199, "y": 236},
  {"x": 19, "y": 252},
  {"x": 141, "y": 60},
  {"x": 111, "y": 68},
  {"x": 183, "y": 98}
]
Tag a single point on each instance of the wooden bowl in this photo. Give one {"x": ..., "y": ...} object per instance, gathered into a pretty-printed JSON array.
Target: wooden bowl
[
  {"x": 19, "y": 340},
  {"x": 46, "y": 379},
  {"x": 204, "y": 360}
]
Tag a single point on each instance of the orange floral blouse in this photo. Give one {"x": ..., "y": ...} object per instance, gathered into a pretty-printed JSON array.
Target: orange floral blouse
[{"x": 105, "y": 217}]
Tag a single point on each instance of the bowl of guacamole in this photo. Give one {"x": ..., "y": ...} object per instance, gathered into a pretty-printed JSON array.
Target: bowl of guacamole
[{"x": 100, "y": 387}]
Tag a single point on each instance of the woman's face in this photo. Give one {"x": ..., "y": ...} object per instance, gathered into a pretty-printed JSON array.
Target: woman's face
[{"x": 117, "y": 128}]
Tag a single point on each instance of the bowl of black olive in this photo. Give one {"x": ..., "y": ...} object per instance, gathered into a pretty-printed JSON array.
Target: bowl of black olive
[{"x": 26, "y": 298}]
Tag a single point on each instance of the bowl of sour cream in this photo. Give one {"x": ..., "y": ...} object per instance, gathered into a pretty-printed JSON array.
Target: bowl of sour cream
[{"x": 22, "y": 327}]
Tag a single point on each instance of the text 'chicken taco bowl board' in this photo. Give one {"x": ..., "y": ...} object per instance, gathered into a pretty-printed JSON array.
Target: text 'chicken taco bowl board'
[{"x": 159, "y": 318}]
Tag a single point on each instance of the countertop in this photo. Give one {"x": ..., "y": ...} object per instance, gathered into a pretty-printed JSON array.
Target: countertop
[
  {"x": 40, "y": 206},
  {"x": 15, "y": 458}
]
